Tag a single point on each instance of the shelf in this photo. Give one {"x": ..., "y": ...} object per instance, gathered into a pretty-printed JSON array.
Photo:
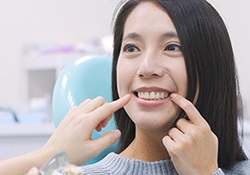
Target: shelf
[{"x": 26, "y": 129}]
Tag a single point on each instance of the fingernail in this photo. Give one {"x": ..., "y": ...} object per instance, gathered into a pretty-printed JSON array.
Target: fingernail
[
  {"x": 173, "y": 95},
  {"x": 117, "y": 134}
]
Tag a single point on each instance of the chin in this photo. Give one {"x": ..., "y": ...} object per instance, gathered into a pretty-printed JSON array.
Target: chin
[{"x": 153, "y": 121}]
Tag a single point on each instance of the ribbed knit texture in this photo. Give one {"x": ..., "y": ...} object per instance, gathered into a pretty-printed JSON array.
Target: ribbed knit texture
[
  {"x": 114, "y": 164},
  {"x": 117, "y": 165}
]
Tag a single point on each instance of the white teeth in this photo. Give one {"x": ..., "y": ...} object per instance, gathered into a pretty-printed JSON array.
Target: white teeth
[
  {"x": 162, "y": 95},
  {"x": 152, "y": 95}
]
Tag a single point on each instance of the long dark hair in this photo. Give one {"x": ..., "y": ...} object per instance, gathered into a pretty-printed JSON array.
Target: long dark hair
[{"x": 209, "y": 60}]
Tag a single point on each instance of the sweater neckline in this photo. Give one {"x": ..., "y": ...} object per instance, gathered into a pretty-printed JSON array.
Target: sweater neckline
[
  {"x": 113, "y": 163},
  {"x": 115, "y": 156}
]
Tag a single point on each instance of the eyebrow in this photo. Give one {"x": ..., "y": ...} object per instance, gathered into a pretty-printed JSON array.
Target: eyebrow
[
  {"x": 136, "y": 36},
  {"x": 170, "y": 35},
  {"x": 132, "y": 35}
]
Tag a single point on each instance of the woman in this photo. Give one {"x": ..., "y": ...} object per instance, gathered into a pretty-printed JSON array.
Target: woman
[{"x": 171, "y": 55}]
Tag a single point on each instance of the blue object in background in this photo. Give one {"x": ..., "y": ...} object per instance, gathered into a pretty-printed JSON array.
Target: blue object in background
[{"x": 86, "y": 77}]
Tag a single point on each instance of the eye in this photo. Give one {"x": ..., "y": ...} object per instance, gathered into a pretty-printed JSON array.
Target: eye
[
  {"x": 173, "y": 47},
  {"x": 129, "y": 48}
]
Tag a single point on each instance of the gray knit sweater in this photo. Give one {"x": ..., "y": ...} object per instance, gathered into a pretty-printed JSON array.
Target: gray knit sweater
[{"x": 114, "y": 164}]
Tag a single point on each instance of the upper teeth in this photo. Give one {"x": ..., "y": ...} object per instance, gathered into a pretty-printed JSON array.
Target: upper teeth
[{"x": 152, "y": 95}]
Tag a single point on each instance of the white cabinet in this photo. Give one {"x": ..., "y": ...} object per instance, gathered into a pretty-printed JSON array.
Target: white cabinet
[
  {"x": 18, "y": 139},
  {"x": 40, "y": 75},
  {"x": 41, "y": 72}
]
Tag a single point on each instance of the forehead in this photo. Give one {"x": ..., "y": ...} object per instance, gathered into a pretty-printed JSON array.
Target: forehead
[{"x": 149, "y": 16}]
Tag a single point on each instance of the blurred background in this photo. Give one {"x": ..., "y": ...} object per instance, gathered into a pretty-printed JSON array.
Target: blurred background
[{"x": 38, "y": 38}]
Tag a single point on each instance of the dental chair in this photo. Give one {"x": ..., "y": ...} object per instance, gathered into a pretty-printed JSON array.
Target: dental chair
[{"x": 86, "y": 77}]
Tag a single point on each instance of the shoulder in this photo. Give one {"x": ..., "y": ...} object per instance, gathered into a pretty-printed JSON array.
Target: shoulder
[{"x": 241, "y": 168}]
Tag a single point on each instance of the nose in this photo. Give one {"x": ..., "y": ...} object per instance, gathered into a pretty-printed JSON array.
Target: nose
[{"x": 150, "y": 67}]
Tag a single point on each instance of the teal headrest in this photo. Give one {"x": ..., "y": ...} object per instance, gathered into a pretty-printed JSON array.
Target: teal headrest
[{"x": 86, "y": 77}]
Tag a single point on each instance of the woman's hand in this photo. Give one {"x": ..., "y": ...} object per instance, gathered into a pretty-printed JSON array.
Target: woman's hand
[
  {"x": 192, "y": 146},
  {"x": 74, "y": 133}
]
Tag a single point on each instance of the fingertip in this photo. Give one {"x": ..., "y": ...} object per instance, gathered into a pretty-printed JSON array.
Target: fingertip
[
  {"x": 117, "y": 133},
  {"x": 117, "y": 104},
  {"x": 164, "y": 139},
  {"x": 33, "y": 171},
  {"x": 107, "y": 140},
  {"x": 127, "y": 96},
  {"x": 173, "y": 96}
]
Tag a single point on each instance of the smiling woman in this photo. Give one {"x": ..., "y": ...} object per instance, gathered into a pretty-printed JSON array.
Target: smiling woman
[
  {"x": 184, "y": 107},
  {"x": 175, "y": 79}
]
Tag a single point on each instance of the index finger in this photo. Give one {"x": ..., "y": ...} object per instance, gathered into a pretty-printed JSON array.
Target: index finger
[
  {"x": 192, "y": 113},
  {"x": 107, "y": 109}
]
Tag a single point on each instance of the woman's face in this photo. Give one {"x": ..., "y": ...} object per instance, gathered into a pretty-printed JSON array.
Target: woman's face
[{"x": 151, "y": 67}]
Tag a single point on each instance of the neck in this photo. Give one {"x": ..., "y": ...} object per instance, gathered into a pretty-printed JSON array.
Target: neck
[{"x": 147, "y": 146}]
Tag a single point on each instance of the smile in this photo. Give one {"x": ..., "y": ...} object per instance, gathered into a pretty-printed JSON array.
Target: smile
[{"x": 152, "y": 95}]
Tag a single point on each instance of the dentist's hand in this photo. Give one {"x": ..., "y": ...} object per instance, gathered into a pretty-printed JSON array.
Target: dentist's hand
[
  {"x": 192, "y": 146},
  {"x": 74, "y": 133}
]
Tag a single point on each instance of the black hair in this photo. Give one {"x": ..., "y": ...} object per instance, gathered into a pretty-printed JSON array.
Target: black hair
[{"x": 211, "y": 70}]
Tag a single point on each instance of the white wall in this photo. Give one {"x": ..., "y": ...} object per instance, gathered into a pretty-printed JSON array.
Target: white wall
[
  {"x": 78, "y": 20},
  {"x": 22, "y": 21}
]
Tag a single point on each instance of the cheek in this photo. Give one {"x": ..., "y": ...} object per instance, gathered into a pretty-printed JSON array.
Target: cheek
[
  {"x": 181, "y": 80},
  {"x": 122, "y": 78},
  {"x": 183, "y": 86}
]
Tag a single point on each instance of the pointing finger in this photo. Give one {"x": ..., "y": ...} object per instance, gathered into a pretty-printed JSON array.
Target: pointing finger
[
  {"x": 106, "y": 110},
  {"x": 91, "y": 105},
  {"x": 191, "y": 111}
]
